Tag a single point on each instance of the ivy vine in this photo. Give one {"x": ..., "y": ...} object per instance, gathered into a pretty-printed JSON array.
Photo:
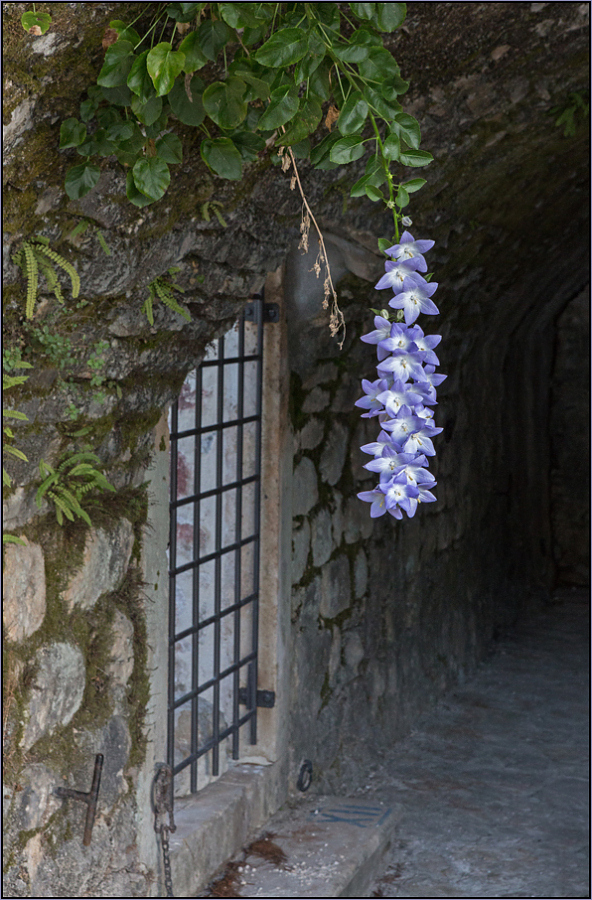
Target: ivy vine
[{"x": 271, "y": 71}]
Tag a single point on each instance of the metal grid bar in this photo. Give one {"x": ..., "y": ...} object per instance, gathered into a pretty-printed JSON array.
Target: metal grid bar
[{"x": 201, "y": 744}]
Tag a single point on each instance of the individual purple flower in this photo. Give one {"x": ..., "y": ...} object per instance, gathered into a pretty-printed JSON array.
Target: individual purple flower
[
  {"x": 414, "y": 469},
  {"x": 376, "y": 447},
  {"x": 390, "y": 463},
  {"x": 399, "y": 338},
  {"x": 432, "y": 377},
  {"x": 425, "y": 495},
  {"x": 397, "y": 272},
  {"x": 378, "y": 501},
  {"x": 370, "y": 401},
  {"x": 397, "y": 397},
  {"x": 415, "y": 298},
  {"x": 403, "y": 425},
  {"x": 425, "y": 343},
  {"x": 402, "y": 366},
  {"x": 420, "y": 441},
  {"x": 408, "y": 248},
  {"x": 382, "y": 330},
  {"x": 399, "y": 492}
]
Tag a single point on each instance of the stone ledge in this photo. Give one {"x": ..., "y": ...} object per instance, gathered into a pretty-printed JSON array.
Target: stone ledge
[{"x": 213, "y": 825}]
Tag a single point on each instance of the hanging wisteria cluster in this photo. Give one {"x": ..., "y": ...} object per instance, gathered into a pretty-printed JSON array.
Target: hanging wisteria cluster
[{"x": 405, "y": 390}]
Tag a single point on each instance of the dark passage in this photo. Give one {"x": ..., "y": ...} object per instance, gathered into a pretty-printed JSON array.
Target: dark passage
[{"x": 494, "y": 782}]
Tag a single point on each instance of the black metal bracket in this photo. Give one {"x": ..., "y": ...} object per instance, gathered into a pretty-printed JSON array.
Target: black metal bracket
[
  {"x": 89, "y": 798},
  {"x": 265, "y": 699},
  {"x": 304, "y": 776},
  {"x": 271, "y": 312}
]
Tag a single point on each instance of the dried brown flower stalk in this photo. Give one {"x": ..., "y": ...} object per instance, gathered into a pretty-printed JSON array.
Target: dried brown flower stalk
[{"x": 336, "y": 318}]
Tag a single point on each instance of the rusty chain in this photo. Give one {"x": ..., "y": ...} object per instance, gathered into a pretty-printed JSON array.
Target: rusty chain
[{"x": 162, "y": 802}]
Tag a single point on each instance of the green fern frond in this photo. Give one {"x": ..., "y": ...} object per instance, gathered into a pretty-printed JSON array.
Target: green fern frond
[
  {"x": 14, "y": 451},
  {"x": 6, "y": 479},
  {"x": 147, "y": 309},
  {"x": 165, "y": 293},
  {"x": 104, "y": 245},
  {"x": 12, "y": 539},
  {"x": 78, "y": 229},
  {"x": 63, "y": 264},
  {"x": 52, "y": 278},
  {"x": 9, "y": 381},
  {"x": 32, "y": 272}
]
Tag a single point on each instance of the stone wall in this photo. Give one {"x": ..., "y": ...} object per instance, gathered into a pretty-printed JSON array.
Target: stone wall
[
  {"x": 570, "y": 444},
  {"x": 385, "y": 615}
]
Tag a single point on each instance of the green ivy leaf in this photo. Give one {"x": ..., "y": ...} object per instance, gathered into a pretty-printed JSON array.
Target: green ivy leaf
[
  {"x": 148, "y": 112},
  {"x": 384, "y": 244},
  {"x": 159, "y": 125},
  {"x": 125, "y": 32},
  {"x": 194, "y": 57},
  {"x": 139, "y": 80},
  {"x": 118, "y": 96},
  {"x": 253, "y": 35},
  {"x": 121, "y": 131},
  {"x": 351, "y": 53},
  {"x": 184, "y": 12},
  {"x": 108, "y": 116},
  {"x": 80, "y": 180},
  {"x": 98, "y": 143},
  {"x": 374, "y": 175},
  {"x": 249, "y": 144},
  {"x": 282, "y": 107},
  {"x": 257, "y": 88},
  {"x": 319, "y": 82},
  {"x": 190, "y": 112},
  {"x": 312, "y": 59},
  {"x": 407, "y": 128},
  {"x": 240, "y": 15},
  {"x": 414, "y": 185},
  {"x": 119, "y": 59},
  {"x": 373, "y": 193},
  {"x": 301, "y": 150},
  {"x": 378, "y": 65},
  {"x": 30, "y": 19},
  {"x": 87, "y": 110},
  {"x": 284, "y": 48},
  {"x": 389, "y": 16},
  {"x": 353, "y": 114},
  {"x": 328, "y": 13},
  {"x": 152, "y": 177},
  {"x": 133, "y": 194},
  {"x": 212, "y": 36},
  {"x": 169, "y": 148},
  {"x": 386, "y": 108},
  {"x": 222, "y": 157},
  {"x": 402, "y": 198},
  {"x": 416, "y": 158},
  {"x": 309, "y": 116},
  {"x": 72, "y": 133},
  {"x": 224, "y": 102},
  {"x": 392, "y": 147},
  {"x": 164, "y": 64},
  {"x": 363, "y": 10},
  {"x": 347, "y": 149},
  {"x": 321, "y": 152}
]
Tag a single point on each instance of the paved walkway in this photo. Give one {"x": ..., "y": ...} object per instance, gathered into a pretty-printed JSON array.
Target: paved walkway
[{"x": 494, "y": 782}]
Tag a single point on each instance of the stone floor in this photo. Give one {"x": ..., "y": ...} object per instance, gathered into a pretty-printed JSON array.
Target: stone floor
[{"x": 494, "y": 781}]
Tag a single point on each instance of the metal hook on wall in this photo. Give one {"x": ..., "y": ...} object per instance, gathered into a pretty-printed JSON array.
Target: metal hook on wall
[{"x": 89, "y": 798}]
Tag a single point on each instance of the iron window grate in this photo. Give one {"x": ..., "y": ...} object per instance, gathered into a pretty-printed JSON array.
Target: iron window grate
[{"x": 222, "y": 626}]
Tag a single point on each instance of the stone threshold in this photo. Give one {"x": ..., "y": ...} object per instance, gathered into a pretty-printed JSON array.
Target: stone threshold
[
  {"x": 213, "y": 825},
  {"x": 323, "y": 847}
]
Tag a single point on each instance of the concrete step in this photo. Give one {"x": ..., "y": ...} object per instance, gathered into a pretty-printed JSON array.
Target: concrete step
[{"x": 323, "y": 847}]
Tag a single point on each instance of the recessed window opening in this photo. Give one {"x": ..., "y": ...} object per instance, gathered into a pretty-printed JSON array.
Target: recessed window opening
[{"x": 215, "y": 429}]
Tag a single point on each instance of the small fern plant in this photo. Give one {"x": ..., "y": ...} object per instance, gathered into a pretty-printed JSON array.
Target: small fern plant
[
  {"x": 162, "y": 289},
  {"x": 35, "y": 255},
  {"x": 66, "y": 485},
  {"x": 82, "y": 227},
  {"x": 10, "y": 381}
]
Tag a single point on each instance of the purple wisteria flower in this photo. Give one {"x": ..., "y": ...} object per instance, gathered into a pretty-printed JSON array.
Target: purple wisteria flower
[
  {"x": 415, "y": 298},
  {"x": 405, "y": 390}
]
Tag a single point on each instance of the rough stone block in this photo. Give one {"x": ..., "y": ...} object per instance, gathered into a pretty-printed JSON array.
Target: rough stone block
[
  {"x": 24, "y": 590},
  {"x": 321, "y": 375},
  {"x": 57, "y": 693},
  {"x": 106, "y": 558},
  {"x": 337, "y": 520},
  {"x": 317, "y": 400},
  {"x": 360, "y": 574},
  {"x": 305, "y": 492},
  {"x": 353, "y": 651},
  {"x": 335, "y": 587},
  {"x": 122, "y": 650},
  {"x": 333, "y": 457},
  {"x": 37, "y": 801},
  {"x": 322, "y": 544},
  {"x": 300, "y": 548},
  {"x": 311, "y": 435}
]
